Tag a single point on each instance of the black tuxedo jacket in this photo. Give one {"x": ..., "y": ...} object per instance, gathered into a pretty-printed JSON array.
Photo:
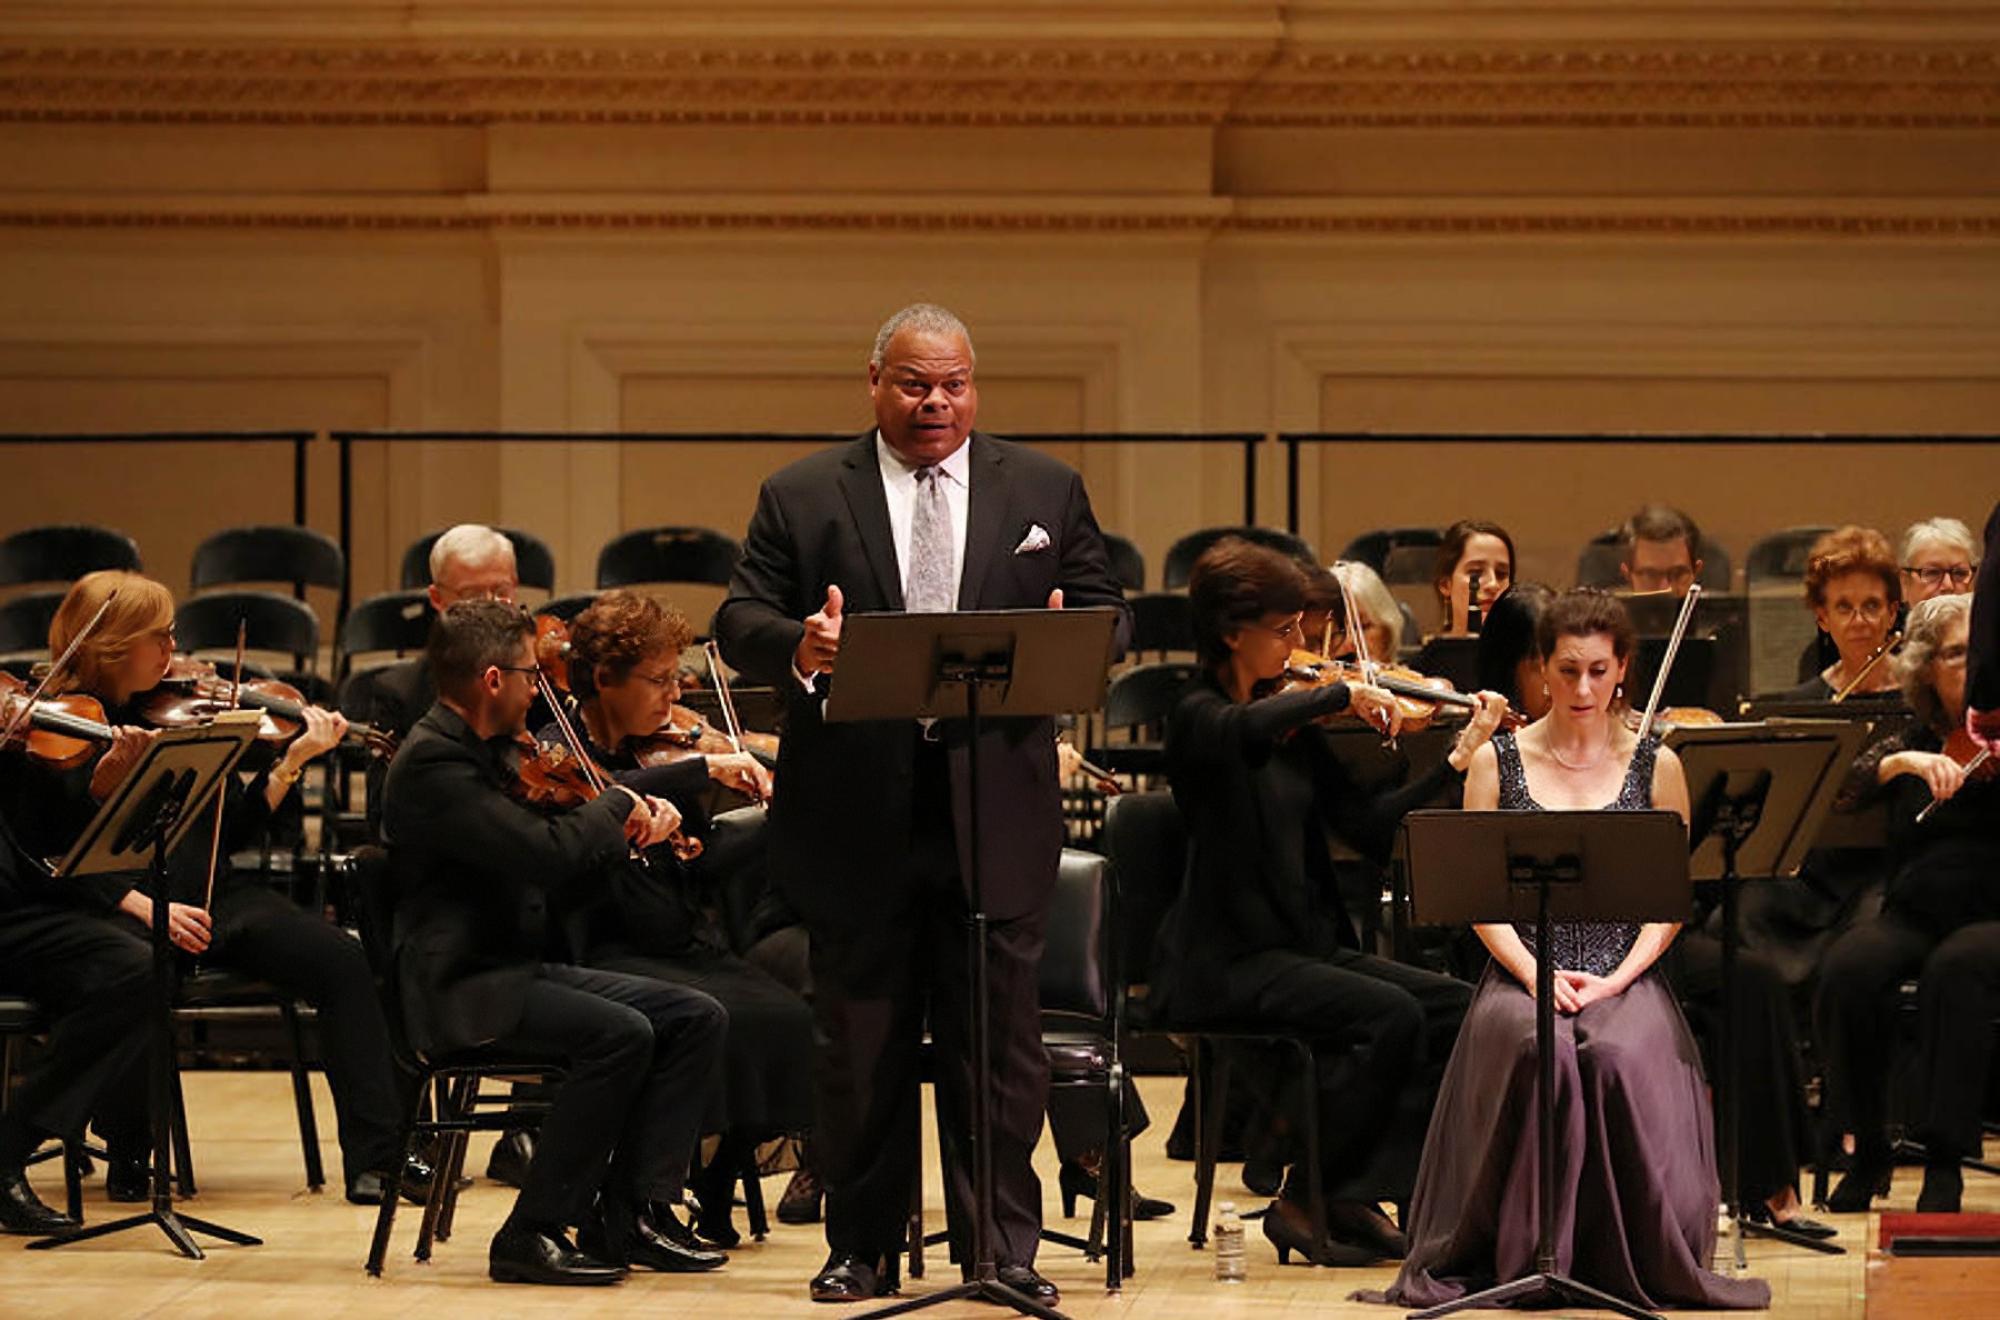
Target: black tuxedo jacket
[
  {"x": 1982, "y": 690},
  {"x": 480, "y": 880},
  {"x": 840, "y": 821}
]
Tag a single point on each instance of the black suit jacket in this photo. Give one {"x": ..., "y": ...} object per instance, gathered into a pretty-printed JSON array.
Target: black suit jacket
[
  {"x": 1982, "y": 690},
  {"x": 840, "y": 822},
  {"x": 477, "y": 875}
]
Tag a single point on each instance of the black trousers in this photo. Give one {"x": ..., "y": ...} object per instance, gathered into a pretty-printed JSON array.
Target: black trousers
[
  {"x": 1382, "y": 1032},
  {"x": 1774, "y": 1127},
  {"x": 1958, "y": 996},
  {"x": 93, "y": 980},
  {"x": 872, "y": 988},
  {"x": 261, "y": 933},
  {"x": 643, "y": 1057}
]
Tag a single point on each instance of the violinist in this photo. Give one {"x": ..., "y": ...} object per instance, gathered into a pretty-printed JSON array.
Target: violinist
[
  {"x": 1940, "y": 922},
  {"x": 1510, "y": 659},
  {"x": 242, "y": 924},
  {"x": 1659, "y": 549},
  {"x": 92, "y": 979},
  {"x": 1254, "y": 936},
  {"x": 481, "y": 876},
  {"x": 1381, "y": 618},
  {"x": 1854, "y": 589},
  {"x": 624, "y": 662},
  {"x": 1473, "y": 551}
]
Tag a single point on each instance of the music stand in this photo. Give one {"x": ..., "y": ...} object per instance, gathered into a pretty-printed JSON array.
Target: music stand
[
  {"x": 1758, "y": 794},
  {"x": 133, "y": 834},
  {"x": 1025, "y": 663},
  {"x": 1485, "y": 866}
]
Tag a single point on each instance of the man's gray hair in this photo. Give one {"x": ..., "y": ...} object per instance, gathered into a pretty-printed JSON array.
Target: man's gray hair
[
  {"x": 928, "y": 318},
  {"x": 1940, "y": 531},
  {"x": 469, "y": 543}
]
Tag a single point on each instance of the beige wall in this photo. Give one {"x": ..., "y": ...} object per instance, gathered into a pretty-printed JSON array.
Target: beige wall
[{"x": 1156, "y": 216}]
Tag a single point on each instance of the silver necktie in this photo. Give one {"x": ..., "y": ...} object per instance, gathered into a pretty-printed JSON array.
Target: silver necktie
[{"x": 931, "y": 583}]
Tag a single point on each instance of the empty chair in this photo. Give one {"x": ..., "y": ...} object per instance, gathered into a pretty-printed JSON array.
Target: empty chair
[
  {"x": 64, "y": 553},
  {"x": 667, "y": 554},
  {"x": 1409, "y": 564},
  {"x": 1182, "y": 553},
  {"x": 299, "y": 556},
  {"x": 397, "y": 621},
  {"x": 1128, "y": 566},
  {"x": 1162, "y": 621},
  {"x": 271, "y": 621},
  {"x": 1780, "y": 556},
  {"x": 1138, "y": 702},
  {"x": 534, "y": 562},
  {"x": 24, "y": 622},
  {"x": 1374, "y": 548}
]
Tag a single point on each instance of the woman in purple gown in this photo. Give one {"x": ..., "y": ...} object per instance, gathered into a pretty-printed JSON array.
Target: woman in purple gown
[{"x": 1635, "y": 1159}]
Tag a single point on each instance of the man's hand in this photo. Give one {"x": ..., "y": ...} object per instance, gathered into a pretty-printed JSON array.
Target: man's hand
[
  {"x": 650, "y": 820},
  {"x": 188, "y": 927},
  {"x": 1984, "y": 726},
  {"x": 1055, "y": 599},
  {"x": 822, "y": 640},
  {"x": 742, "y": 772},
  {"x": 127, "y": 746}
]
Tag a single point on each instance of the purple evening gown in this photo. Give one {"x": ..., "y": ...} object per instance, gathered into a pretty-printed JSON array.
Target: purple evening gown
[{"x": 1635, "y": 1154}]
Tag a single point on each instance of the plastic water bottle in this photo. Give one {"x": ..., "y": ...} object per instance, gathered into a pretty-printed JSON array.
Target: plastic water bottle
[{"x": 1228, "y": 1244}]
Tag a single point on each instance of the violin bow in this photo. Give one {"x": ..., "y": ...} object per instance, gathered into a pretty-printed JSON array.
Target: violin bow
[
  {"x": 55, "y": 667},
  {"x": 1970, "y": 766},
  {"x": 1360, "y": 636},
  {"x": 725, "y": 700},
  {"x": 235, "y": 697},
  {"x": 1667, "y": 661}
]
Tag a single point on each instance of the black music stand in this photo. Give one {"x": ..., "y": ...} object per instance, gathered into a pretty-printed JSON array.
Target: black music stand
[
  {"x": 1481, "y": 866},
  {"x": 1758, "y": 795},
  {"x": 162, "y": 797},
  {"x": 1025, "y": 663}
]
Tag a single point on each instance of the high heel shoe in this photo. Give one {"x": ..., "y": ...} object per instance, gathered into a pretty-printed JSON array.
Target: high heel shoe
[
  {"x": 1074, "y": 1180},
  {"x": 1798, "y": 1225},
  {"x": 1288, "y": 1236}
]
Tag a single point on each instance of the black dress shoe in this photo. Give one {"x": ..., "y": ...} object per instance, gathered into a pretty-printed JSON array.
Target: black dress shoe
[
  {"x": 1074, "y": 1180},
  {"x": 128, "y": 1179},
  {"x": 666, "y": 1247},
  {"x": 1798, "y": 1225},
  {"x": 1858, "y": 1186},
  {"x": 1943, "y": 1191},
  {"x": 848, "y": 1278},
  {"x": 511, "y": 1156},
  {"x": 1023, "y": 1280},
  {"x": 802, "y": 1199},
  {"x": 365, "y": 1188},
  {"x": 523, "y": 1255},
  {"x": 21, "y": 1211}
]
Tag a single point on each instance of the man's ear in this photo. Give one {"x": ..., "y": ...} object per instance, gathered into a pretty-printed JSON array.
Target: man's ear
[{"x": 1697, "y": 570}]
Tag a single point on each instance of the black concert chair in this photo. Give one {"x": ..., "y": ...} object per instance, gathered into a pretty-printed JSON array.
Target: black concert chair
[
  {"x": 1147, "y": 843},
  {"x": 210, "y": 990},
  {"x": 1128, "y": 566},
  {"x": 24, "y": 622},
  {"x": 1373, "y": 548},
  {"x": 64, "y": 553},
  {"x": 1162, "y": 622},
  {"x": 273, "y": 622},
  {"x": 1780, "y": 557},
  {"x": 1083, "y": 1014},
  {"x": 667, "y": 554},
  {"x": 448, "y": 1105},
  {"x": 20, "y": 1019},
  {"x": 567, "y": 607},
  {"x": 534, "y": 562},
  {"x": 1408, "y": 565},
  {"x": 297, "y": 556},
  {"x": 1138, "y": 703},
  {"x": 396, "y": 622},
  {"x": 1182, "y": 553}
]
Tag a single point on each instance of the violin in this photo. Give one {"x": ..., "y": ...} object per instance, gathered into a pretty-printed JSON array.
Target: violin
[
  {"x": 1419, "y": 697},
  {"x": 60, "y": 732},
  {"x": 552, "y": 776},
  {"x": 193, "y": 691}
]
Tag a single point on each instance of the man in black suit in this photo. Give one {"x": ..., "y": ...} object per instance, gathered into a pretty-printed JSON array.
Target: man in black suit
[
  {"x": 478, "y": 874},
  {"x": 869, "y": 825},
  {"x": 1982, "y": 682}
]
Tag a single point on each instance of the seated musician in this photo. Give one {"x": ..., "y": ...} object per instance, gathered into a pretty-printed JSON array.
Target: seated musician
[
  {"x": 244, "y": 925},
  {"x": 1254, "y": 935},
  {"x": 1940, "y": 922},
  {"x": 1853, "y": 588},
  {"x": 1473, "y": 550},
  {"x": 1659, "y": 549},
  {"x": 1939, "y": 558},
  {"x": 658, "y": 922},
  {"x": 480, "y": 875},
  {"x": 1510, "y": 659},
  {"x": 92, "y": 980},
  {"x": 1380, "y": 616}
]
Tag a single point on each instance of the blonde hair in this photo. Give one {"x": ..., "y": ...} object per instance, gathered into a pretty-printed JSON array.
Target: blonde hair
[
  {"x": 142, "y": 606},
  {"x": 1373, "y": 601}
]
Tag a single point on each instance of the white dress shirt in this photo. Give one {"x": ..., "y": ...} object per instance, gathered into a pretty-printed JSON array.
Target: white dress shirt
[{"x": 899, "y": 487}]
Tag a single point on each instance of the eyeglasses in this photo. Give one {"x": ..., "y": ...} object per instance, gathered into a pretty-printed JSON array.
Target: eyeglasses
[
  {"x": 1286, "y": 632},
  {"x": 660, "y": 681},
  {"x": 536, "y": 670},
  {"x": 1932, "y": 574},
  {"x": 1870, "y": 610},
  {"x": 1674, "y": 576}
]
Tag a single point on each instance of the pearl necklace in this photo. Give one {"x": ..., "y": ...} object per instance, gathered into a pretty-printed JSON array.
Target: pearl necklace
[{"x": 1590, "y": 765}]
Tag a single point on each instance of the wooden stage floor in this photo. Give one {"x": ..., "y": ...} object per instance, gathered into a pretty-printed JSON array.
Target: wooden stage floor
[{"x": 246, "y": 1151}]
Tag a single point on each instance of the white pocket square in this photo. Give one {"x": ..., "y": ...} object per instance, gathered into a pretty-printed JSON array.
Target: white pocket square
[{"x": 1036, "y": 539}]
